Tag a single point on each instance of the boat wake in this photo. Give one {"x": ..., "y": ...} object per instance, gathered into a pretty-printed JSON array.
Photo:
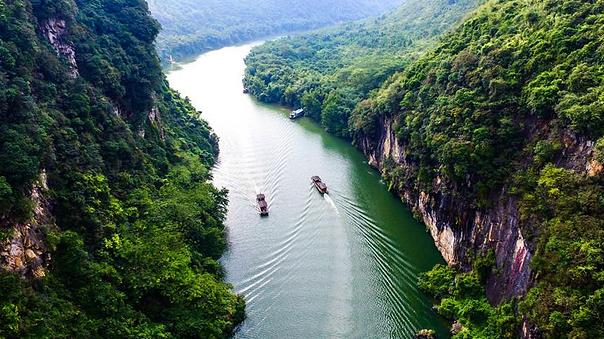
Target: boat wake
[
  {"x": 339, "y": 267},
  {"x": 256, "y": 189},
  {"x": 331, "y": 203}
]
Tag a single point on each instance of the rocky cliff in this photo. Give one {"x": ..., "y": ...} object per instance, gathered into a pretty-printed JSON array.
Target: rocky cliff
[
  {"x": 459, "y": 230},
  {"x": 94, "y": 148},
  {"x": 25, "y": 252},
  {"x": 55, "y": 31}
]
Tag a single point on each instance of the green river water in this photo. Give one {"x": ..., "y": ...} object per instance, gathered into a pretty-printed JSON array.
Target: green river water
[{"x": 343, "y": 265}]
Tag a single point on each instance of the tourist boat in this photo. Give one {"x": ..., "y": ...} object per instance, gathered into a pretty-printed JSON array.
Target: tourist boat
[
  {"x": 321, "y": 187},
  {"x": 262, "y": 205},
  {"x": 297, "y": 114}
]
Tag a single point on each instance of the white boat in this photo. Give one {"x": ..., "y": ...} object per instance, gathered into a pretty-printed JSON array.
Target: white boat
[{"x": 297, "y": 114}]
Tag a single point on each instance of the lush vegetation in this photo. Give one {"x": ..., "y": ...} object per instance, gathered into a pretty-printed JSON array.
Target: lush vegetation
[
  {"x": 567, "y": 210},
  {"x": 461, "y": 296},
  {"x": 463, "y": 108},
  {"x": 329, "y": 72},
  {"x": 492, "y": 102},
  {"x": 192, "y": 26},
  {"x": 139, "y": 227},
  {"x": 496, "y": 103}
]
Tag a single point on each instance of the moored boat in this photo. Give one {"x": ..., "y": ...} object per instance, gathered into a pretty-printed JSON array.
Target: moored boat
[
  {"x": 297, "y": 114},
  {"x": 320, "y": 185},
  {"x": 262, "y": 205}
]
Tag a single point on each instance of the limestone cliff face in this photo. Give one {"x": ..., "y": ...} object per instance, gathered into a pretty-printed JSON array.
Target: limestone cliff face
[
  {"x": 54, "y": 30},
  {"x": 459, "y": 229},
  {"x": 25, "y": 252}
]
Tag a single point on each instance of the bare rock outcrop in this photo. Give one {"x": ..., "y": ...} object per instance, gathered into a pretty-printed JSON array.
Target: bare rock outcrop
[
  {"x": 25, "y": 252},
  {"x": 458, "y": 228},
  {"x": 54, "y": 30}
]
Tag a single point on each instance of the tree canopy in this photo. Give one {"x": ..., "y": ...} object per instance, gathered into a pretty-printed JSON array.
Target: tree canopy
[
  {"x": 192, "y": 26},
  {"x": 329, "y": 71},
  {"x": 139, "y": 226}
]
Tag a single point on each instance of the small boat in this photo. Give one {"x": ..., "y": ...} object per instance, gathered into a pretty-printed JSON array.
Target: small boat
[
  {"x": 321, "y": 187},
  {"x": 246, "y": 91},
  {"x": 297, "y": 114},
  {"x": 262, "y": 205}
]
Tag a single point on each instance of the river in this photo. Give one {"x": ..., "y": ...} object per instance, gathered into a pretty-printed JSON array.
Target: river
[{"x": 343, "y": 265}]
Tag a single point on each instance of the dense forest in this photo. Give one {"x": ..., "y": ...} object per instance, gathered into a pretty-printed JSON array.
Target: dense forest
[
  {"x": 498, "y": 103},
  {"x": 193, "y": 26},
  {"x": 328, "y": 72},
  {"x": 109, "y": 225}
]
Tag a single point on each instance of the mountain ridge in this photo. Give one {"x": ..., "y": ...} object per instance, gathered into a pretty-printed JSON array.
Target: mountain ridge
[{"x": 190, "y": 28}]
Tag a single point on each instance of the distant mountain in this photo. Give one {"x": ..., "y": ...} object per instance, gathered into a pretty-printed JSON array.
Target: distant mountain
[{"x": 193, "y": 26}]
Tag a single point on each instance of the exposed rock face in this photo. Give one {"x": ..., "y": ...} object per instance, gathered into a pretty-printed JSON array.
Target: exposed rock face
[
  {"x": 26, "y": 253},
  {"x": 529, "y": 331},
  {"x": 54, "y": 30},
  {"x": 155, "y": 120},
  {"x": 459, "y": 229},
  {"x": 594, "y": 168}
]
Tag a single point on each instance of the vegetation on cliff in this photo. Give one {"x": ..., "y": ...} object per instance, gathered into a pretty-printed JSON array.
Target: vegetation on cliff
[
  {"x": 461, "y": 296},
  {"x": 330, "y": 71},
  {"x": 498, "y": 103},
  {"x": 192, "y": 26},
  {"x": 468, "y": 112},
  {"x": 139, "y": 227}
]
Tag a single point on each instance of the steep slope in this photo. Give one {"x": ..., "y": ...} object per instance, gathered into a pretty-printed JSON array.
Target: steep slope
[
  {"x": 328, "y": 72},
  {"x": 109, "y": 225},
  {"x": 492, "y": 138},
  {"x": 192, "y": 26}
]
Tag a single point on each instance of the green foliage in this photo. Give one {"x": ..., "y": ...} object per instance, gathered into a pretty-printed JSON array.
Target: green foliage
[
  {"x": 567, "y": 210},
  {"x": 6, "y": 194},
  {"x": 330, "y": 71},
  {"x": 191, "y": 27},
  {"x": 461, "y": 296},
  {"x": 546, "y": 151},
  {"x": 463, "y": 111},
  {"x": 127, "y": 161},
  {"x": 599, "y": 151}
]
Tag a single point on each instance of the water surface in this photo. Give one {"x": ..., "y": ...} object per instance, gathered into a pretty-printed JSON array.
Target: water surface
[{"x": 343, "y": 265}]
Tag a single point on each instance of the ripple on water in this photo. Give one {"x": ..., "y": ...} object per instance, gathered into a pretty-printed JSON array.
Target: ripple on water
[
  {"x": 320, "y": 266},
  {"x": 397, "y": 274}
]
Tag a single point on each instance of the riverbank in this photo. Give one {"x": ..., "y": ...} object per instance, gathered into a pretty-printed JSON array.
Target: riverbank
[{"x": 343, "y": 265}]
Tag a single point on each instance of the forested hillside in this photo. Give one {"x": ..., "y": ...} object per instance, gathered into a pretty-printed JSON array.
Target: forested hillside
[
  {"x": 514, "y": 99},
  {"x": 194, "y": 26},
  {"x": 495, "y": 138},
  {"x": 328, "y": 72},
  {"x": 109, "y": 226}
]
